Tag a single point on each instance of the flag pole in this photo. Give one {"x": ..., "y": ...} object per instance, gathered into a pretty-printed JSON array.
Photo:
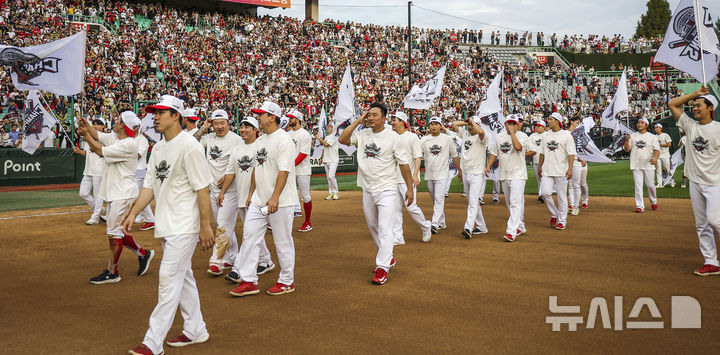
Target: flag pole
[{"x": 696, "y": 12}]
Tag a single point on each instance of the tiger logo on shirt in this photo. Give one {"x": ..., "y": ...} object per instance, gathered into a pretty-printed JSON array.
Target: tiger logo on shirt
[
  {"x": 435, "y": 149},
  {"x": 700, "y": 144},
  {"x": 244, "y": 163},
  {"x": 505, "y": 147},
  {"x": 372, "y": 150},
  {"x": 215, "y": 152},
  {"x": 468, "y": 144},
  {"x": 552, "y": 145},
  {"x": 261, "y": 156},
  {"x": 640, "y": 144},
  {"x": 162, "y": 171}
]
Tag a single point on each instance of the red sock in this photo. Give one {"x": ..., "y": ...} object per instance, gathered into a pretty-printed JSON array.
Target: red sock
[
  {"x": 308, "y": 211},
  {"x": 130, "y": 242},
  {"x": 116, "y": 246}
]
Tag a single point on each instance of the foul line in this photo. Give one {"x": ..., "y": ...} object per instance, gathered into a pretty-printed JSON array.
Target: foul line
[{"x": 42, "y": 214}]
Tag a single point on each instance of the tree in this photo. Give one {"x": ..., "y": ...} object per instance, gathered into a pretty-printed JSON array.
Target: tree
[{"x": 655, "y": 21}]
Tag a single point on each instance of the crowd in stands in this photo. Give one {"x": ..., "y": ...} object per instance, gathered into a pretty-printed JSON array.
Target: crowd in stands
[{"x": 232, "y": 61}]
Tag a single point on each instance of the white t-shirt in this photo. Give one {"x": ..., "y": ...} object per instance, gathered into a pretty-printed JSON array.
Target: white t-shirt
[
  {"x": 642, "y": 147},
  {"x": 275, "y": 153},
  {"x": 702, "y": 151},
  {"x": 143, "y": 146},
  {"x": 556, "y": 148},
  {"x": 242, "y": 162},
  {"x": 330, "y": 153},
  {"x": 217, "y": 153},
  {"x": 437, "y": 150},
  {"x": 94, "y": 164},
  {"x": 511, "y": 162},
  {"x": 191, "y": 131},
  {"x": 118, "y": 182},
  {"x": 409, "y": 143},
  {"x": 535, "y": 145},
  {"x": 473, "y": 151},
  {"x": 176, "y": 171},
  {"x": 377, "y": 157},
  {"x": 303, "y": 143},
  {"x": 664, "y": 138}
]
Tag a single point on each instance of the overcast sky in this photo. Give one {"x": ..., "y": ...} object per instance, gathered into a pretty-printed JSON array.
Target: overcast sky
[{"x": 604, "y": 17}]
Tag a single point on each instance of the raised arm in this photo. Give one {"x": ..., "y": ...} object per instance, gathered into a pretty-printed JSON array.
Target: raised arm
[{"x": 677, "y": 103}]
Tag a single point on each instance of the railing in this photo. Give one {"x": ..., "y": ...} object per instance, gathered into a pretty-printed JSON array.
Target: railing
[{"x": 89, "y": 19}]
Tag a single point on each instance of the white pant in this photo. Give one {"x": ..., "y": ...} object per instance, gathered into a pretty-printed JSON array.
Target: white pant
[
  {"x": 88, "y": 184},
  {"x": 574, "y": 186},
  {"x": 515, "y": 201},
  {"x": 379, "y": 209},
  {"x": 330, "y": 169},
  {"x": 475, "y": 182},
  {"x": 116, "y": 212},
  {"x": 264, "y": 258},
  {"x": 147, "y": 213},
  {"x": 705, "y": 201},
  {"x": 413, "y": 210},
  {"x": 559, "y": 183},
  {"x": 537, "y": 177},
  {"x": 254, "y": 228},
  {"x": 225, "y": 217},
  {"x": 645, "y": 176},
  {"x": 453, "y": 174},
  {"x": 176, "y": 287},
  {"x": 437, "y": 195},
  {"x": 303, "y": 183},
  {"x": 495, "y": 191},
  {"x": 584, "y": 191},
  {"x": 663, "y": 163}
]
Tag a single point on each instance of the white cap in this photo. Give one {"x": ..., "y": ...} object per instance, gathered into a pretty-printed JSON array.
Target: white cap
[
  {"x": 435, "y": 119},
  {"x": 658, "y": 125},
  {"x": 540, "y": 123},
  {"x": 219, "y": 115},
  {"x": 191, "y": 113},
  {"x": 401, "y": 116},
  {"x": 167, "y": 102},
  {"x": 511, "y": 118},
  {"x": 269, "y": 107},
  {"x": 712, "y": 99},
  {"x": 558, "y": 117},
  {"x": 643, "y": 119},
  {"x": 130, "y": 119},
  {"x": 251, "y": 121},
  {"x": 295, "y": 114}
]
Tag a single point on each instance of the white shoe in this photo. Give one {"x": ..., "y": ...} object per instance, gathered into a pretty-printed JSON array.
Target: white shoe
[
  {"x": 672, "y": 184},
  {"x": 575, "y": 211},
  {"x": 463, "y": 194},
  {"x": 398, "y": 242},
  {"x": 92, "y": 221},
  {"x": 336, "y": 196},
  {"x": 426, "y": 235},
  {"x": 329, "y": 197},
  {"x": 658, "y": 186}
]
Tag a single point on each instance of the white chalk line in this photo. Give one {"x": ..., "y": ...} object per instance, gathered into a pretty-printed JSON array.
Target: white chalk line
[{"x": 44, "y": 214}]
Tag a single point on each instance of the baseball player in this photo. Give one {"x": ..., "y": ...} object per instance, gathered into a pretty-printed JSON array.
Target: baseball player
[
  {"x": 303, "y": 143},
  {"x": 702, "y": 167},
  {"x": 239, "y": 173},
  {"x": 177, "y": 178},
  {"x": 555, "y": 168},
  {"x": 408, "y": 142},
  {"x": 118, "y": 187},
  {"x": 496, "y": 183},
  {"x": 663, "y": 162},
  {"x": 575, "y": 188},
  {"x": 378, "y": 156},
  {"x": 271, "y": 200},
  {"x": 146, "y": 215},
  {"x": 92, "y": 177},
  {"x": 584, "y": 191},
  {"x": 535, "y": 144},
  {"x": 509, "y": 148},
  {"x": 190, "y": 120},
  {"x": 472, "y": 164},
  {"x": 681, "y": 145},
  {"x": 437, "y": 149},
  {"x": 451, "y": 163},
  {"x": 644, "y": 151},
  {"x": 218, "y": 146},
  {"x": 329, "y": 158}
]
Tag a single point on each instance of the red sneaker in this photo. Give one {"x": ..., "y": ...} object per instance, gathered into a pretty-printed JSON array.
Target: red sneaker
[
  {"x": 227, "y": 266},
  {"x": 245, "y": 289},
  {"x": 305, "y": 228},
  {"x": 520, "y": 232},
  {"x": 147, "y": 226},
  {"x": 509, "y": 237},
  {"x": 560, "y": 226},
  {"x": 214, "y": 270},
  {"x": 182, "y": 340},
  {"x": 584, "y": 205},
  {"x": 708, "y": 270},
  {"x": 141, "y": 350},
  {"x": 392, "y": 262},
  {"x": 638, "y": 210},
  {"x": 380, "y": 276},
  {"x": 655, "y": 207},
  {"x": 280, "y": 289},
  {"x": 553, "y": 222}
]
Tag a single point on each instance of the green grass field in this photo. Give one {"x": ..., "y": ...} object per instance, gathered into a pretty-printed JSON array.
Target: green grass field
[{"x": 603, "y": 180}]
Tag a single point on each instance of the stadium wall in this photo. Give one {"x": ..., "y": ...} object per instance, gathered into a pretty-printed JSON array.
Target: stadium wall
[
  {"x": 47, "y": 166},
  {"x": 603, "y": 61}
]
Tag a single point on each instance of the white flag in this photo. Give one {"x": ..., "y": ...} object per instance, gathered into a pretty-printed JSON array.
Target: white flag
[
  {"x": 147, "y": 128},
  {"x": 347, "y": 109},
  {"x": 617, "y": 106},
  {"x": 585, "y": 147},
  {"x": 422, "y": 97},
  {"x": 491, "y": 102},
  {"x": 37, "y": 123},
  {"x": 321, "y": 131},
  {"x": 57, "y": 67},
  {"x": 681, "y": 46}
]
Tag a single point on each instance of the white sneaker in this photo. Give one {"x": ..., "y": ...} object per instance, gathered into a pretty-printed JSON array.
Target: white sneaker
[
  {"x": 575, "y": 211},
  {"x": 336, "y": 196},
  {"x": 92, "y": 221},
  {"x": 658, "y": 186},
  {"x": 426, "y": 235},
  {"x": 672, "y": 184},
  {"x": 398, "y": 242},
  {"x": 463, "y": 194},
  {"x": 329, "y": 197}
]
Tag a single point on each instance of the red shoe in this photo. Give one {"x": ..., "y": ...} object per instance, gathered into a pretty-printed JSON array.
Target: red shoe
[
  {"x": 245, "y": 289},
  {"x": 227, "y": 266},
  {"x": 520, "y": 232},
  {"x": 638, "y": 210},
  {"x": 380, "y": 276},
  {"x": 708, "y": 270},
  {"x": 509, "y": 237},
  {"x": 280, "y": 289},
  {"x": 214, "y": 270},
  {"x": 182, "y": 340},
  {"x": 654, "y": 207},
  {"x": 560, "y": 226},
  {"x": 553, "y": 222},
  {"x": 141, "y": 350},
  {"x": 584, "y": 205},
  {"x": 147, "y": 226},
  {"x": 392, "y": 262},
  {"x": 305, "y": 228}
]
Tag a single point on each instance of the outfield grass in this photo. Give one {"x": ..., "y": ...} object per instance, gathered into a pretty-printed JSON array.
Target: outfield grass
[{"x": 603, "y": 180}]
